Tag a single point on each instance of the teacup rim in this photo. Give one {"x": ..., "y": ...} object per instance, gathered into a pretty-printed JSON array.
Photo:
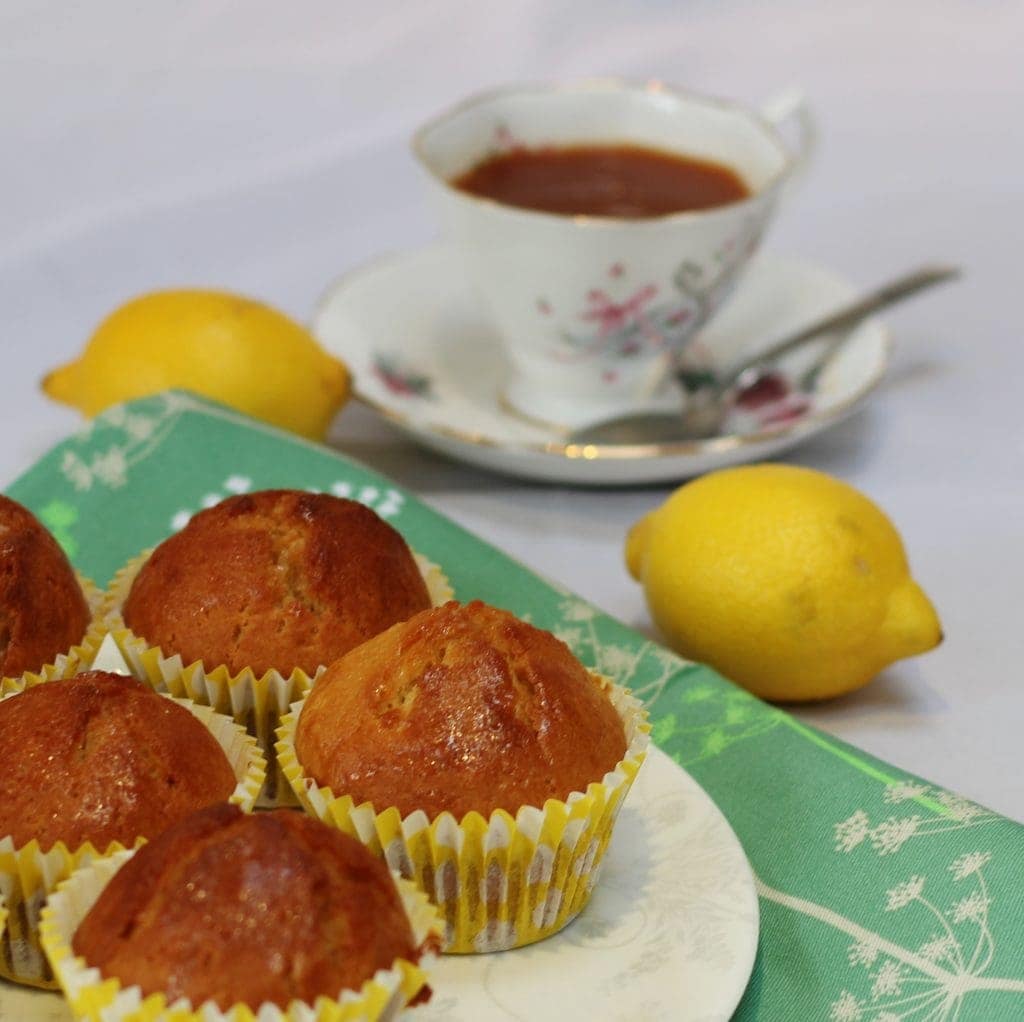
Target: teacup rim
[{"x": 590, "y": 221}]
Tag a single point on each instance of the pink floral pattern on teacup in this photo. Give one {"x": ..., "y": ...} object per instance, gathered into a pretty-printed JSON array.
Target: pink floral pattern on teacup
[
  {"x": 505, "y": 141},
  {"x": 626, "y": 320}
]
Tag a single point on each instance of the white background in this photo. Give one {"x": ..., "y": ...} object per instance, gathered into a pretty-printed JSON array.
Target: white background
[{"x": 261, "y": 146}]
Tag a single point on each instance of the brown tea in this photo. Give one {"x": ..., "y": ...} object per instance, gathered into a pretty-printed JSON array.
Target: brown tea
[{"x": 625, "y": 181}]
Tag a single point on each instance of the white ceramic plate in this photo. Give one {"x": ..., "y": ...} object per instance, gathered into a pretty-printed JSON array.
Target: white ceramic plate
[
  {"x": 424, "y": 356},
  {"x": 670, "y": 933}
]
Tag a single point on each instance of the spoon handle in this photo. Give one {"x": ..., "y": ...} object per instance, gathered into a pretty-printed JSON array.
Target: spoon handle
[{"x": 888, "y": 294}]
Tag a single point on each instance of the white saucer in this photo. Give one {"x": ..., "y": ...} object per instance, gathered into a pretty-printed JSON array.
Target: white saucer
[{"x": 423, "y": 354}]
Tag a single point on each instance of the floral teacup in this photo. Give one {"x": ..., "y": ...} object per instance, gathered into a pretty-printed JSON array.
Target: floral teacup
[{"x": 595, "y": 312}]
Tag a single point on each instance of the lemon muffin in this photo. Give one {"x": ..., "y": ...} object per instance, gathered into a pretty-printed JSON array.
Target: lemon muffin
[
  {"x": 43, "y": 611},
  {"x": 278, "y": 579},
  {"x": 95, "y": 763},
  {"x": 464, "y": 707},
  {"x": 101, "y": 758},
  {"x": 478, "y": 756},
  {"x": 237, "y": 909}
]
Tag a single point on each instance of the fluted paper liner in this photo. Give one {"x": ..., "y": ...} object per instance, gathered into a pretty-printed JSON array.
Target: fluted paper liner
[
  {"x": 500, "y": 882},
  {"x": 97, "y": 999},
  {"x": 28, "y": 874},
  {"x": 257, "y": 702},
  {"x": 79, "y": 657}
]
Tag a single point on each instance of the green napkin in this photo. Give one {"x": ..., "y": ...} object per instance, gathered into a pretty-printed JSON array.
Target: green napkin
[{"x": 883, "y": 897}]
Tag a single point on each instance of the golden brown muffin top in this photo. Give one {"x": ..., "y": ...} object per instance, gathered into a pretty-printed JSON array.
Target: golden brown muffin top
[
  {"x": 42, "y": 610},
  {"x": 100, "y": 758},
  {"x": 459, "y": 708},
  {"x": 237, "y": 908},
  {"x": 275, "y": 579}
]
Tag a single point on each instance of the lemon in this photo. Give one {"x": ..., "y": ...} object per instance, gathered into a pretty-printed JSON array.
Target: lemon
[
  {"x": 786, "y": 580},
  {"x": 229, "y": 348}
]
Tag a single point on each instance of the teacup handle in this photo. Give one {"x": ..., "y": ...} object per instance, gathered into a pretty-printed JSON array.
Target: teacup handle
[{"x": 791, "y": 105}]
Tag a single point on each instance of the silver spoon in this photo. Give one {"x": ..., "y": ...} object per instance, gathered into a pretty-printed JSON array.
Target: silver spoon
[{"x": 707, "y": 405}]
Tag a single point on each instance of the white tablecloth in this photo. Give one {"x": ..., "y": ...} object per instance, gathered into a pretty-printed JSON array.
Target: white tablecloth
[{"x": 261, "y": 146}]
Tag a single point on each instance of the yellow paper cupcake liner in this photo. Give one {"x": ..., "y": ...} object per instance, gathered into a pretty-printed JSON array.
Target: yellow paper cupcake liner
[
  {"x": 242, "y": 750},
  {"x": 500, "y": 882},
  {"x": 79, "y": 657},
  {"x": 255, "y": 701},
  {"x": 93, "y": 998},
  {"x": 28, "y": 874}
]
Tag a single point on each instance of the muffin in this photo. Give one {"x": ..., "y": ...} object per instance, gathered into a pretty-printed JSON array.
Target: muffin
[
  {"x": 464, "y": 708},
  {"x": 101, "y": 758},
  {"x": 462, "y": 731},
  {"x": 95, "y": 763},
  {"x": 231, "y": 909},
  {"x": 279, "y": 579},
  {"x": 241, "y": 608},
  {"x": 43, "y": 609}
]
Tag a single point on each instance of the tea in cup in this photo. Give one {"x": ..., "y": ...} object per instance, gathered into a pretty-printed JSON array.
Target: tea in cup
[{"x": 602, "y": 224}]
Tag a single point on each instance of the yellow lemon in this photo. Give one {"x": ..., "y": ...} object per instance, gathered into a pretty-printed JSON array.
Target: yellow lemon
[
  {"x": 229, "y": 348},
  {"x": 785, "y": 580}
]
